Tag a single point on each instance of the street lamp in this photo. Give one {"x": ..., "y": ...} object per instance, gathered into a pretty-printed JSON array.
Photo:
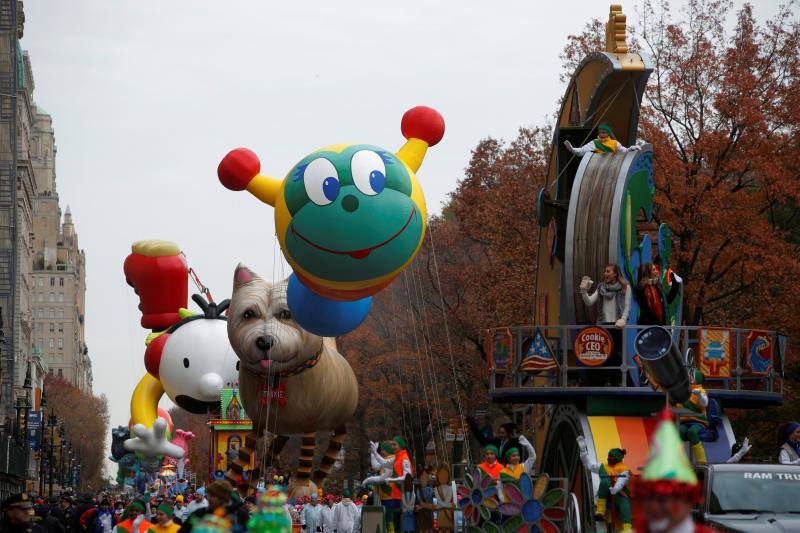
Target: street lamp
[
  {"x": 42, "y": 406},
  {"x": 19, "y": 407},
  {"x": 27, "y": 387},
  {"x": 62, "y": 445},
  {"x": 52, "y": 422}
]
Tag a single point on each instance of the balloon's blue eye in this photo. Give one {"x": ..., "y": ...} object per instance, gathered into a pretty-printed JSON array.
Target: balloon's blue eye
[
  {"x": 321, "y": 181},
  {"x": 369, "y": 172},
  {"x": 330, "y": 188},
  {"x": 377, "y": 181}
]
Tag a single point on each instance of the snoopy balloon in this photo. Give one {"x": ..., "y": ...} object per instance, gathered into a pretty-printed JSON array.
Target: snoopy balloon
[{"x": 349, "y": 217}]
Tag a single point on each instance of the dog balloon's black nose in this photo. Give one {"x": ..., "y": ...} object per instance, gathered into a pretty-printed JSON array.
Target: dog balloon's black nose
[{"x": 265, "y": 342}]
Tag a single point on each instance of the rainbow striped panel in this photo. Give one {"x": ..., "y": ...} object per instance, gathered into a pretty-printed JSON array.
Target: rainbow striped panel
[{"x": 634, "y": 434}]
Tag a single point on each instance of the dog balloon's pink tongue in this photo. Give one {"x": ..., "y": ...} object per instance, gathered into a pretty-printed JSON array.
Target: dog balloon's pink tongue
[{"x": 266, "y": 363}]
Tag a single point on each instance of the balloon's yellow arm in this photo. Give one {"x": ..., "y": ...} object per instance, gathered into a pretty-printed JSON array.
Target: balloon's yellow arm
[{"x": 144, "y": 402}]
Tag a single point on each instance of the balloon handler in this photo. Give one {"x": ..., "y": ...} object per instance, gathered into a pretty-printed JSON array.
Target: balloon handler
[
  {"x": 614, "y": 478},
  {"x": 606, "y": 143},
  {"x": 694, "y": 424}
]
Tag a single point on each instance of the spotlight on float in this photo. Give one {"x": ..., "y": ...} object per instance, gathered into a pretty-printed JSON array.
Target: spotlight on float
[{"x": 662, "y": 361}]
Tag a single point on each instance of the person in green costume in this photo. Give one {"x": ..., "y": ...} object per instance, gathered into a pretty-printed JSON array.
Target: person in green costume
[
  {"x": 614, "y": 478},
  {"x": 605, "y": 143},
  {"x": 697, "y": 419}
]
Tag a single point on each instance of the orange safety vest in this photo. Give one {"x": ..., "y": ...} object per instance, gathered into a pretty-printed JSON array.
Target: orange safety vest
[
  {"x": 493, "y": 470},
  {"x": 399, "y": 457}
]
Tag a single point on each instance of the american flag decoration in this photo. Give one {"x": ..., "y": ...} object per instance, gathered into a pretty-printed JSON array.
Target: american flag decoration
[{"x": 537, "y": 354}]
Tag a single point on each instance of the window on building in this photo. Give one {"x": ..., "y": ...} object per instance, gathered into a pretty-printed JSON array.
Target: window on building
[
  {"x": 61, "y": 297},
  {"x": 41, "y": 313},
  {"x": 51, "y": 343},
  {"x": 61, "y": 372},
  {"x": 52, "y": 327},
  {"x": 60, "y": 312},
  {"x": 61, "y": 327},
  {"x": 51, "y": 298},
  {"x": 61, "y": 282},
  {"x": 52, "y": 313},
  {"x": 60, "y": 344},
  {"x": 52, "y": 281},
  {"x": 41, "y": 282},
  {"x": 50, "y": 371},
  {"x": 41, "y": 343},
  {"x": 40, "y": 297}
]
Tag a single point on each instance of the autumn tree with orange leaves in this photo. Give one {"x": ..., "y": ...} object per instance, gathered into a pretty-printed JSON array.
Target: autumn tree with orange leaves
[
  {"x": 85, "y": 421},
  {"x": 722, "y": 111}
]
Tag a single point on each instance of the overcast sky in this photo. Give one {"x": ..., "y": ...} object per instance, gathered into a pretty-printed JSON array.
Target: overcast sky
[{"x": 147, "y": 96}]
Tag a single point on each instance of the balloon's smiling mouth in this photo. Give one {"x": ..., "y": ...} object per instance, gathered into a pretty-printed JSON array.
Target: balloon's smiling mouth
[
  {"x": 193, "y": 405},
  {"x": 364, "y": 252}
]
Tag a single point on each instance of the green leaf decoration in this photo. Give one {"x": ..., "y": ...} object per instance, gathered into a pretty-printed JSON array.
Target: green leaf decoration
[
  {"x": 552, "y": 497},
  {"x": 512, "y": 524}
]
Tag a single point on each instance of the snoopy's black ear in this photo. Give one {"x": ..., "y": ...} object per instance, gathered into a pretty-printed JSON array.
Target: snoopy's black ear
[{"x": 243, "y": 276}]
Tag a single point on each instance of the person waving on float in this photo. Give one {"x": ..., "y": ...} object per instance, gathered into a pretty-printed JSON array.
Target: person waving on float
[{"x": 605, "y": 143}]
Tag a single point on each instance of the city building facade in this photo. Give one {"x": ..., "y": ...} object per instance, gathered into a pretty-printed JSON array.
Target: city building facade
[{"x": 59, "y": 287}]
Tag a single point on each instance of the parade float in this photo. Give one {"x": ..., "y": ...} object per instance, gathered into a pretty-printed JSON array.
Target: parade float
[
  {"x": 229, "y": 432},
  {"x": 596, "y": 383}
]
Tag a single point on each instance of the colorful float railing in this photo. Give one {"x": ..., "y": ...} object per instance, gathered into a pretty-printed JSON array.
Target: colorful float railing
[{"x": 558, "y": 364}]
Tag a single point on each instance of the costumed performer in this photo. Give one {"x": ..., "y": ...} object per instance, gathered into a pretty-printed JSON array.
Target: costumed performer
[
  {"x": 697, "y": 419},
  {"x": 401, "y": 467},
  {"x": 382, "y": 460},
  {"x": 614, "y": 478},
  {"x": 514, "y": 465},
  {"x": 605, "y": 143},
  {"x": 490, "y": 465}
]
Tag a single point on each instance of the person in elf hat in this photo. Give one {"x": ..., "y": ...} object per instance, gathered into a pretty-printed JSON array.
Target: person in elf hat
[
  {"x": 164, "y": 523},
  {"x": 490, "y": 464},
  {"x": 606, "y": 143},
  {"x": 614, "y": 478},
  {"x": 668, "y": 488},
  {"x": 697, "y": 419},
  {"x": 382, "y": 460},
  {"x": 133, "y": 519},
  {"x": 514, "y": 466},
  {"x": 789, "y": 444},
  {"x": 401, "y": 467}
]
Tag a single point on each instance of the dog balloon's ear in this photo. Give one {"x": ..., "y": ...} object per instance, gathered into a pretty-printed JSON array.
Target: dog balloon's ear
[{"x": 243, "y": 276}]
